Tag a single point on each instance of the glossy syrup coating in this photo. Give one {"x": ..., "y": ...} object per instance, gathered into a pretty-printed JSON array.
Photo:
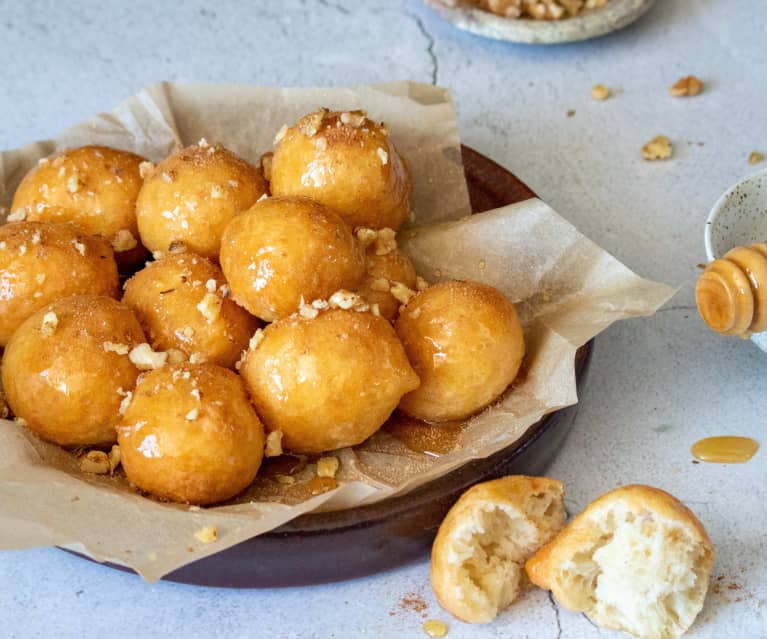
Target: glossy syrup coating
[
  {"x": 66, "y": 369},
  {"x": 191, "y": 435},
  {"x": 192, "y": 195},
  {"x": 384, "y": 271},
  {"x": 327, "y": 382},
  {"x": 465, "y": 342},
  {"x": 347, "y": 162},
  {"x": 182, "y": 301},
  {"x": 41, "y": 262},
  {"x": 93, "y": 186},
  {"x": 286, "y": 249}
]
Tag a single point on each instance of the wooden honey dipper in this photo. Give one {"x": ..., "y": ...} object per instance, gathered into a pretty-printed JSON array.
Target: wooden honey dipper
[{"x": 731, "y": 293}]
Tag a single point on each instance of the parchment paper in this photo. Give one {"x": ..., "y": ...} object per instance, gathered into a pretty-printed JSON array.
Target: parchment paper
[{"x": 566, "y": 288}]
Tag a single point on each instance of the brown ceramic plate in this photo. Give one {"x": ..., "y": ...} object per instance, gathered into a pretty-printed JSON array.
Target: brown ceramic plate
[{"x": 324, "y": 547}]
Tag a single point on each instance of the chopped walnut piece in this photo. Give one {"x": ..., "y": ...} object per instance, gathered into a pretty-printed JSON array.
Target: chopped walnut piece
[
  {"x": 755, "y": 157},
  {"x": 686, "y": 87},
  {"x": 600, "y": 92},
  {"x": 19, "y": 215},
  {"x": 211, "y": 285},
  {"x": 127, "y": 398},
  {"x": 273, "y": 444},
  {"x": 659, "y": 148},
  {"x": 310, "y": 124},
  {"x": 197, "y": 358},
  {"x": 280, "y": 134},
  {"x": 206, "y": 534},
  {"x": 383, "y": 155},
  {"x": 386, "y": 242},
  {"x": 95, "y": 462},
  {"x": 123, "y": 241},
  {"x": 192, "y": 415},
  {"x": 74, "y": 183},
  {"x": 145, "y": 359},
  {"x": 421, "y": 284},
  {"x": 307, "y": 311},
  {"x": 114, "y": 347},
  {"x": 203, "y": 143},
  {"x": 256, "y": 339},
  {"x": 401, "y": 293},
  {"x": 79, "y": 246},
  {"x": 175, "y": 356},
  {"x": 366, "y": 236},
  {"x": 347, "y": 300},
  {"x": 381, "y": 284},
  {"x": 327, "y": 466},
  {"x": 145, "y": 168},
  {"x": 50, "y": 322},
  {"x": 210, "y": 307},
  {"x": 416, "y": 313},
  {"x": 353, "y": 118}
]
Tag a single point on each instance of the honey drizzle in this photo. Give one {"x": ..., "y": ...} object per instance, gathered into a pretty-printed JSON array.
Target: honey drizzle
[{"x": 725, "y": 449}]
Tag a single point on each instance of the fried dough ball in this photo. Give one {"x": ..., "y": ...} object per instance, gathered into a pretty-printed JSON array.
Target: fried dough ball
[
  {"x": 93, "y": 186},
  {"x": 384, "y": 272},
  {"x": 192, "y": 195},
  {"x": 465, "y": 342},
  {"x": 285, "y": 249},
  {"x": 40, "y": 263},
  {"x": 182, "y": 302},
  {"x": 327, "y": 382},
  {"x": 190, "y": 434},
  {"x": 66, "y": 370},
  {"x": 348, "y": 163}
]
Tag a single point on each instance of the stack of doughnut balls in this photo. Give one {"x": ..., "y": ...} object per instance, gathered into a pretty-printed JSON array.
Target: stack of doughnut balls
[{"x": 277, "y": 312}]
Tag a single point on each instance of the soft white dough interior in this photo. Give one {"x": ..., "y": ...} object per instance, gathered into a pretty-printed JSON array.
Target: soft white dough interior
[
  {"x": 642, "y": 574},
  {"x": 491, "y": 547}
]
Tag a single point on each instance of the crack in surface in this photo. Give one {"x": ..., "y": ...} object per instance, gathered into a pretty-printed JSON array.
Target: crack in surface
[
  {"x": 429, "y": 47},
  {"x": 556, "y": 614},
  {"x": 333, "y": 5}
]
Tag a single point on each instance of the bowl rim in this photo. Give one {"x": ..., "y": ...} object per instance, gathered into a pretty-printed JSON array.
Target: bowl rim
[{"x": 717, "y": 208}]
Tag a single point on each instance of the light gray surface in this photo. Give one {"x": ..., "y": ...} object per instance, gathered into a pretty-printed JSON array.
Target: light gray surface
[{"x": 656, "y": 385}]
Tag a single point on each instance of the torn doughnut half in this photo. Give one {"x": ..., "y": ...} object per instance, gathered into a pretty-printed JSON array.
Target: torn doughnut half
[
  {"x": 636, "y": 560},
  {"x": 479, "y": 553}
]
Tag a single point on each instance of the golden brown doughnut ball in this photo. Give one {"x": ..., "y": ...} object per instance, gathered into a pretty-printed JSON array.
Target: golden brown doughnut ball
[
  {"x": 465, "y": 342},
  {"x": 190, "y": 434},
  {"x": 66, "y": 370},
  {"x": 383, "y": 272},
  {"x": 40, "y": 263},
  {"x": 348, "y": 163},
  {"x": 285, "y": 249},
  {"x": 327, "y": 382},
  {"x": 93, "y": 186},
  {"x": 182, "y": 302},
  {"x": 191, "y": 196}
]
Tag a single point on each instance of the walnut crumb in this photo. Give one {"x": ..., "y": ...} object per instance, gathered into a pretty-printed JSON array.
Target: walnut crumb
[
  {"x": 659, "y": 148},
  {"x": 256, "y": 339},
  {"x": 19, "y": 215},
  {"x": 386, "y": 242},
  {"x": 310, "y": 124},
  {"x": 273, "y": 444},
  {"x": 216, "y": 192},
  {"x": 95, "y": 462},
  {"x": 380, "y": 284},
  {"x": 146, "y": 359},
  {"x": 210, "y": 307},
  {"x": 113, "y": 347},
  {"x": 145, "y": 168},
  {"x": 347, "y": 300},
  {"x": 127, "y": 398},
  {"x": 401, "y": 293},
  {"x": 383, "y": 155},
  {"x": 280, "y": 134},
  {"x": 36, "y": 238},
  {"x": 421, "y": 284},
  {"x": 327, "y": 466},
  {"x": 600, "y": 92},
  {"x": 175, "y": 356},
  {"x": 197, "y": 358},
  {"x": 206, "y": 534},
  {"x": 416, "y": 313},
  {"x": 686, "y": 87},
  {"x": 353, "y": 118},
  {"x": 755, "y": 157},
  {"x": 366, "y": 236},
  {"x": 50, "y": 323},
  {"x": 203, "y": 143},
  {"x": 123, "y": 241},
  {"x": 79, "y": 246},
  {"x": 73, "y": 183},
  {"x": 307, "y": 311},
  {"x": 192, "y": 415}
]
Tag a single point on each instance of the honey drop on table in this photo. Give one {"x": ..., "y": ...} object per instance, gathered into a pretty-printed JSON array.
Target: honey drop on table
[{"x": 725, "y": 450}]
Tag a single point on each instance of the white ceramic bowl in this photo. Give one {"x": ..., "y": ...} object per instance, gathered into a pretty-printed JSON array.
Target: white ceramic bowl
[{"x": 739, "y": 218}]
